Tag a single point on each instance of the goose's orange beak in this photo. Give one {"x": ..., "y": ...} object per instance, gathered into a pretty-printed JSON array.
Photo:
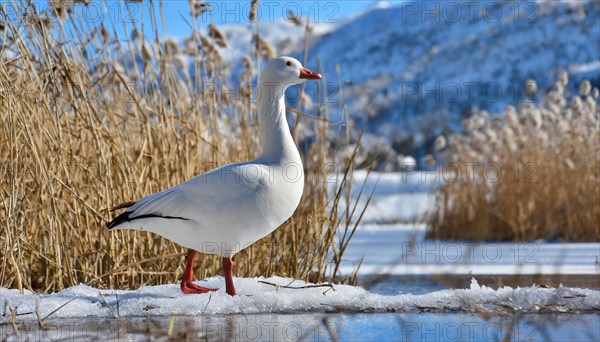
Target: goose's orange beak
[{"x": 310, "y": 75}]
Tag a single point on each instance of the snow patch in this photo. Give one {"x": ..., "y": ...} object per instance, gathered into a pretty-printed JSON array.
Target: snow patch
[
  {"x": 586, "y": 67},
  {"x": 474, "y": 284},
  {"x": 401, "y": 249},
  {"x": 257, "y": 297}
]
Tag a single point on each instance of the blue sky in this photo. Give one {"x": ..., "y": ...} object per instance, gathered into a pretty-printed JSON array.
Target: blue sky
[{"x": 177, "y": 13}]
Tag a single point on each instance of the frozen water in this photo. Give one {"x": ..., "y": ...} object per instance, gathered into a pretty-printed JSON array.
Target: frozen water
[
  {"x": 396, "y": 196},
  {"x": 401, "y": 249},
  {"x": 391, "y": 238}
]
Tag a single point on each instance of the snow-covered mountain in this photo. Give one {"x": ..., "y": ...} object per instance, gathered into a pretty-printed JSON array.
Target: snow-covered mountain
[{"x": 419, "y": 67}]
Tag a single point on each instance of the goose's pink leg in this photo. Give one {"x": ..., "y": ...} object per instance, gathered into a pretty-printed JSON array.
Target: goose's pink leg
[
  {"x": 227, "y": 267},
  {"x": 186, "y": 281}
]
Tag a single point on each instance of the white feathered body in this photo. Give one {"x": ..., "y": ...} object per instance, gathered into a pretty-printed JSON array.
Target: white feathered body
[
  {"x": 224, "y": 210},
  {"x": 231, "y": 207}
]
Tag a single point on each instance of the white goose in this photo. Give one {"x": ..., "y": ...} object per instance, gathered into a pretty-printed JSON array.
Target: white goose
[{"x": 229, "y": 208}]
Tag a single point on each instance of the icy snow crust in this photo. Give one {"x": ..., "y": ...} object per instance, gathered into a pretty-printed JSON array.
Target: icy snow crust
[{"x": 256, "y": 298}]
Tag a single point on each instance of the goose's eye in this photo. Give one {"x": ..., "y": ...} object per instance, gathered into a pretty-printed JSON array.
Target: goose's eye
[{"x": 289, "y": 63}]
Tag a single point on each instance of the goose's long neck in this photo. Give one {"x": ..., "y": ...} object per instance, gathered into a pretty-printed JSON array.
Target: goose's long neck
[{"x": 275, "y": 137}]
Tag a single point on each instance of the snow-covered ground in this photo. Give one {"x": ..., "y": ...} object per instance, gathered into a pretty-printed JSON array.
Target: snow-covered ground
[
  {"x": 396, "y": 197},
  {"x": 256, "y": 297},
  {"x": 401, "y": 249},
  {"x": 391, "y": 239}
]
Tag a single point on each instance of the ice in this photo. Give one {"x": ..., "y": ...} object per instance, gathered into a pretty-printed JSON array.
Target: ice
[
  {"x": 391, "y": 238},
  {"x": 401, "y": 249},
  {"x": 474, "y": 284},
  {"x": 396, "y": 196},
  {"x": 259, "y": 298}
]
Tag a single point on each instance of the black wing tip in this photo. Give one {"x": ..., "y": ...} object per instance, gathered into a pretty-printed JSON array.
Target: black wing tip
[{"x": 124, "y": 217}]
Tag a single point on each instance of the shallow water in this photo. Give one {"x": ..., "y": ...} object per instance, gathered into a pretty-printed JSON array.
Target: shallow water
[
  {"x": 320, "y": 327},
  {"x": 420, "y": 284}
]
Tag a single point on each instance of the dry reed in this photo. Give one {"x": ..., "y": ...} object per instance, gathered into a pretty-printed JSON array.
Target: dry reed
[
  {"x": 529, "y": 173},
  {"x": 93, "y": 122}
]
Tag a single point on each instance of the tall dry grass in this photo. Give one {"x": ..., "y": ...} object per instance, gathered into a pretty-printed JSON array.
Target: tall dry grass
[
  {"x": 549, "y": 157},
  {"x": 98, "y": 120}
]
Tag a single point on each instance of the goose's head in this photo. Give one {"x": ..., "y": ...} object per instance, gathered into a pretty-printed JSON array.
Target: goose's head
[{"x": 287, "y": 71}]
